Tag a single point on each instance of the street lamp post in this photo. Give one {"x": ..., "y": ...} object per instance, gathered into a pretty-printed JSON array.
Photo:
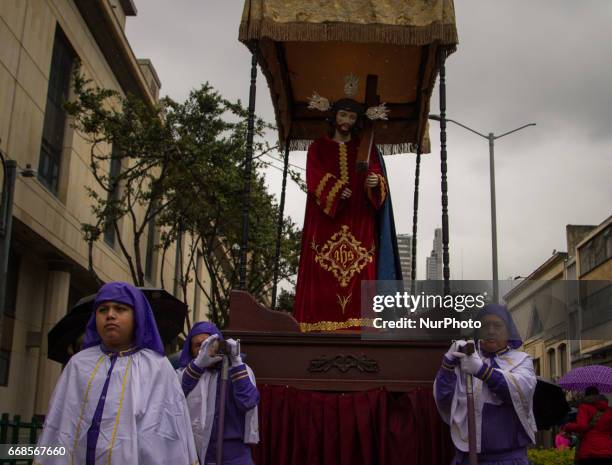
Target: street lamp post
[{"x": 491, "y": 137}]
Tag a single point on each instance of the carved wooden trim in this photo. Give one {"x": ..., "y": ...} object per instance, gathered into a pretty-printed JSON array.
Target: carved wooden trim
[{"x": 343, "y": 363}]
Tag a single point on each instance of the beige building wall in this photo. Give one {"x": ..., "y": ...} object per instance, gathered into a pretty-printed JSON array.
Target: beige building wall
[
  {"x": 47, "y": 226},
  {"x": 589, "y": 246},
  {"x": 539, "y": 292},
  {"x": 597, "y": 247}
]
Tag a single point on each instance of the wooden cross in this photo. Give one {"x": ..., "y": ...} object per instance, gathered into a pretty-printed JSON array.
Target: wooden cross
[{"x": 367, "y": 138}]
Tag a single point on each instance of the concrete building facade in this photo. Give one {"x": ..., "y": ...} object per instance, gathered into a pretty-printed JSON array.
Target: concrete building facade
[
  {"x": 434, "y": 264},
  {"x": 563, "y": 309},
  {"x": 404, "y": 246},
  {"x": 40, "y": 42},
  {"x": 593, "y": 269}
]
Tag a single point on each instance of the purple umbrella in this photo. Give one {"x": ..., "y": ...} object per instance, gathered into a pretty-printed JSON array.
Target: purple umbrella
[{"x": 581, "y": 378}]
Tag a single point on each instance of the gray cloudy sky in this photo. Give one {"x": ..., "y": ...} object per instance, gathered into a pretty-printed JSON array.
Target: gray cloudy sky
[{"x": 547, "y": 62}]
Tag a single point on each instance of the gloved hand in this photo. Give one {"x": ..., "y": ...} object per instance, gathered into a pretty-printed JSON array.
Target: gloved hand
[
  {"x": 235, "y": 358},
  {"x": 470, "y": 364},
  {"x": 455, "y": 349},
  {"x": 204, "y": 359}
]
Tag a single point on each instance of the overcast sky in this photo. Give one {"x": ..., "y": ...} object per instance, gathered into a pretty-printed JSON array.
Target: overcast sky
[{"x": 547, "y": 62}]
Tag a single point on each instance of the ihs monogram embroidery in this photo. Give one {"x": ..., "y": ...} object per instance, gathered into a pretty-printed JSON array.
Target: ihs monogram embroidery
[{"x": 343, "y": 255}]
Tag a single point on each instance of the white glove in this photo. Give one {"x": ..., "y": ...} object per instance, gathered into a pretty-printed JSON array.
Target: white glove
[
  {"x": 471, "y": 364},
  {"x": 204, "y": 359},
  {"x": 455, "y": 349},
  {"x": 236, "y": 359}
]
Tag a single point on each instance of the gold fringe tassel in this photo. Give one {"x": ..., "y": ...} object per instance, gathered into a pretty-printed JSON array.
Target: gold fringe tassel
[
  {"x": 446, "y": 34},
  {"x": 385, "y": 149}
]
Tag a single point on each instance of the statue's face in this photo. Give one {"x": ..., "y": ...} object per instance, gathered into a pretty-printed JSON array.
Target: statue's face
[{"x": 345, "y": 120}]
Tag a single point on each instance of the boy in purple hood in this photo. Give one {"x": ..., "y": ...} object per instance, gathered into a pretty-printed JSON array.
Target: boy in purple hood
[{"x": 118, "y": 400}]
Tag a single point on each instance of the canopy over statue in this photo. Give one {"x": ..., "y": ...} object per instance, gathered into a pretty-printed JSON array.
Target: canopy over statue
[
  {"x": 304, "y": 46},
  {"x": 395, "y": 49}
]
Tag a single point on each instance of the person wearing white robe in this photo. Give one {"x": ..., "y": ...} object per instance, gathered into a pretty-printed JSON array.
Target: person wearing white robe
[
  {"x": 504, "y": 382},
  {"x": 199, "y": 375},
  {"x": 118, "y": 401}
]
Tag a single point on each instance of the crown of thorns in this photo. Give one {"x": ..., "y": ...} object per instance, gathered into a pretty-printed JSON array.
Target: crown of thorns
[{"x": 351, "y": 86}]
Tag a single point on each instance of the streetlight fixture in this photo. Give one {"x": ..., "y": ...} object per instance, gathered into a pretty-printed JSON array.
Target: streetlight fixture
[{"x": 491, "y": 138}]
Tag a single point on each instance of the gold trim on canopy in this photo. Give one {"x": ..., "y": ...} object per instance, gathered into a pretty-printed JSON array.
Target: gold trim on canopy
[
  {"x": 304, "y": 46},
  {"x": 400, "y": 22}
]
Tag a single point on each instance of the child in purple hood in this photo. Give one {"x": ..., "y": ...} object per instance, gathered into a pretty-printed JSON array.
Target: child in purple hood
[{"x": 118, "y": 400}]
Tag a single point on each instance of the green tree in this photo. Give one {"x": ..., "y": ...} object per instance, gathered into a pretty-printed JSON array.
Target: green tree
[
  {"x": 209, "y": 202},
  {"x": 285, "y": 301},
  {"x": 183, "y": 168}
]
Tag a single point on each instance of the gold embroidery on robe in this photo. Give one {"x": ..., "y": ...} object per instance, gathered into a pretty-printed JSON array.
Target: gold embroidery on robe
[
  {"x": 343, "y": 255},
  {"x": 343, "y": 301},
  {"x": 335, "y": 325}
]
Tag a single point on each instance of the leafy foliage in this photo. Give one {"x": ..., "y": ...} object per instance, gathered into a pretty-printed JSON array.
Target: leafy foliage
[
  {"x": 182, "y": 167},
  {"x": 551, "y": 456},
  {"x": 285, "y": 301}
]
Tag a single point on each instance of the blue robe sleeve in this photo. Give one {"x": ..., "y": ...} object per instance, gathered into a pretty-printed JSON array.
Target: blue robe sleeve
[
  {"x": 495, "y": 381},
  {"x": 190, "y": 378},
  {"x": 445, "y": 383},
  {"x": 246, "y": 394}
]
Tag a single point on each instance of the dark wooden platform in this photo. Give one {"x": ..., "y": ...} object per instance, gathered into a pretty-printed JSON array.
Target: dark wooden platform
[{"x": 338, "y": 361}]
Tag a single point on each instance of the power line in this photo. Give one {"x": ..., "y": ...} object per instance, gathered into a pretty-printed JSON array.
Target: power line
[{"x": 281, "y": 160}]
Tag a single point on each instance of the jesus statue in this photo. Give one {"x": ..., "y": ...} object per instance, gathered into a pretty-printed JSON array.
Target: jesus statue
[{"x": 348, "y": 233}]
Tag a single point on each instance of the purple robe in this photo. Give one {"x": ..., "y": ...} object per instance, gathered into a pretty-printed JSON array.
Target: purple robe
[
  {"x": 119, "y": 407},
  {"x": 503, "y": 437},
  {"x": 242, "y": 398}
]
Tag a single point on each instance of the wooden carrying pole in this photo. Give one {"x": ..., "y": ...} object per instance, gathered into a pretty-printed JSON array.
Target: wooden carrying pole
[{"x": 469, "y": 382}]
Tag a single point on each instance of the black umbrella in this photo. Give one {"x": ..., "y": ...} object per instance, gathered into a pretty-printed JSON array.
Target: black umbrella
[
  {"x": 549, "y": 404},
  {"x": 169, "y": 312}
]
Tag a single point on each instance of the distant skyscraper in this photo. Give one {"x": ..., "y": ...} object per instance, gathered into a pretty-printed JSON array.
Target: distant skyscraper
[
  {"x": 404, "y": 245},
  {"x": 434, "y": 261}
]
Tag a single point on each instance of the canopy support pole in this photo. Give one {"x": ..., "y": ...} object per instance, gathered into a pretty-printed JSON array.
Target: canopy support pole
[
  {"x": 248, "y": 167},
  {"x": 279, "y": 230},
  {"x": 415, "y": 214},
  {"x": 443, "y": 169}
]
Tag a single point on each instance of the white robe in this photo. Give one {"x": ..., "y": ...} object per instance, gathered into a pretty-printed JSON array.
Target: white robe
[
  {"x": 201, "y": 405},
  {"x": 517, "y": 369},
  {"x": 145, "y": 419}
]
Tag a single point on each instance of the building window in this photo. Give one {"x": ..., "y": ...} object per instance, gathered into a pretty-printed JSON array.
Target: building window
[
  {"x": 562, "y": 359},
  {"x": 10, "y": 311},
  {"x": 536, "y": 366},
  {"x": 62, "y": 63},
  {"x": 535, "y": 327},
  {"x": 595, "y": 252},
  {"x": 596, "y": 302},
  {"x": 113, "y": 195},
  {"x": 552, "y": 366}
]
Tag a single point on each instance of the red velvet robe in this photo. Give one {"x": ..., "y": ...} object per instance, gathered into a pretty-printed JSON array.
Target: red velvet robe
[{"x": 339, "y": 237}]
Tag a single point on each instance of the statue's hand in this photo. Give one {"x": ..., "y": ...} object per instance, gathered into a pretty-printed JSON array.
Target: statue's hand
[
  {"x": 372, "y": 180},
  {"x": 346, "y": 193}
]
